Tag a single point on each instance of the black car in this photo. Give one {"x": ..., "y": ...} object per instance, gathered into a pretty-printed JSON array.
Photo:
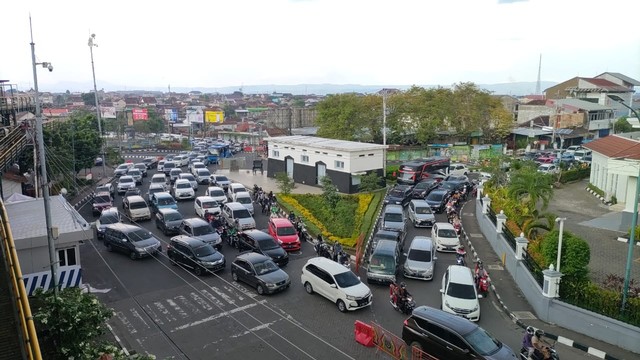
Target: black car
[
  {"x": 452, "y": 186},
  {"x": 386, "y": 235},
  {"x": 132, "y": 240},
  {"x": 168, "y": 221},
  {"x": 458, "y": 179},
  {"x": 260, "y": 272},
  {"x": 150, "y": 162},
  {"x": 423, "y": 188},
  {"x": 437, "y": 199},
  {"x": 399, "y": 195},
  {"x": 263, "y": 243},
  {"x": 194, "y": 254}
]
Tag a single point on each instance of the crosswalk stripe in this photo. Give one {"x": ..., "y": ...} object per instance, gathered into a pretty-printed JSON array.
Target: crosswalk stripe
[
  {"x": 202, "y": 302},
  {"x": 183, "y": 314}
]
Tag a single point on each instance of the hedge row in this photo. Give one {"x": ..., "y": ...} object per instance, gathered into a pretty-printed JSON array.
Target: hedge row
[{"x": 575, "y": 174}]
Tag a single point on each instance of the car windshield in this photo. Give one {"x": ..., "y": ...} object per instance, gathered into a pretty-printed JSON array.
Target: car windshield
[
  {"x": 448, "y": 185},
  {"x": 268, "y": 244},
  {"x": 202, "y": 230},
  {"x": 423, "y": 210},
  {"x": 382, "y": 264},
  {"x": 393, "y": 217},
  {"x": 435, "y": 196},
  {"x": 221, "y": 178},
  {"x": 122, "y": 167},
  {"x": 139, "y": 235},
  {"x": 166, "y": 201},
  {"x": 216, "y": 193},
  {"x": 173, "y": 217},
  {"x": 244, "y": 200},
  {"x": 419, "y": 255},
  {"x": 239, "y": 189},
  {"x": 461, "y": 291},
  {"x": 447, "y": 233},
  {"x": 155, "y": 190},
  {"x": 140, "y": 166},
  {"x": 102, "y": 189},
  {"x": 204, "y": 172},
  {"x": 396, "y": 193},
  {"x": 137, "y": 205},
  {"x": 287, "y": 230},
  {"x": 101, "y": 199},
  {"x": 406, "y": 176},
  {"x": 158, "y": 179},
  {"x": 188, "y": 177},
  {"x": 126, "y": 180},
  {"x": 108, "y": 219},
  {"x": 204, "y": 250},
  {"x": 385, "y": 236},
  {"x": 483, "y": 342},
  {"x": 184, "y": 185},
  {"x": 241, "y": 214},
  {"x": 265, "y": 267},
  {"x": 422, "y": 185},
  {"x": 209, "y": 204},
  {"x": 175, "y": 172},
  {"x": 347, "y": 279},
  {"x": 134, "y": 172}
]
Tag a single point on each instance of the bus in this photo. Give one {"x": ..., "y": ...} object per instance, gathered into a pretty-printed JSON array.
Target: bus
[
  {"x": 218, "y": 151},
  {"x": 411, "y": 172}
]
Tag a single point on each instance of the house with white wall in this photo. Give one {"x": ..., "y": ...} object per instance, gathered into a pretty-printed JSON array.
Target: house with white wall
[{"x": 307, "y": 159}]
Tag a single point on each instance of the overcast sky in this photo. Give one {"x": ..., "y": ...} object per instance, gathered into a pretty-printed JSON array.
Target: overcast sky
[{"x": 187, "y": 43}]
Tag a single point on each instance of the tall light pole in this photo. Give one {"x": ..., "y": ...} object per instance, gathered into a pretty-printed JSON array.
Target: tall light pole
[
  {"x": 44, "y": 182},
  {"x": 95, "y": 92},
  {"x": 561, "y": 221},
  {"x": 384, "y": 132},
  {"x": 634, "y": 222}
]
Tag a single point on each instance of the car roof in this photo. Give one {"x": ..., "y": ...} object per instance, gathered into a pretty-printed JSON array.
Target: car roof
[
  {"x": 257, "y": 234},
  {"x": 195, "y": 221},
  {"x": 237, "y": 185},
  {"x": 103, "y": 193},
  {"x": 124, "y": 227},
  {"x": 234, "y": 205},
  {"x": 134, "y": 198},
  {"x": 162, "y": 194},
  {"x": 159, "y": 175},
  {"x": 421, "y": 243},
  {"x": 205, "y": 198},
  {"x": 460, "y": 274},
  {"x": 387, "y": 232},
  {"x": 110, "y": 210},
  {"x": 166, "y": 211},
  {"x": 253, "y": 257},
  {"x": 385, "y": 246},
  {"x": 155, "y": 186},
  {"x": 451, "y": 321},
  {"x": 188, "y": 240},
  {"x": 281, "y": 222},
  {"x": 243, "y": 194},
  {"x": 216, "y": 188},
  {"x": 327, "y": 265},
  {"x": 443, "y": 225},
  {"x": 439, "y": 190},
  {"x": 420, "y": 202},
  {"x": 126, "y": 177},
  {"x": 402, "y": 187},
  {"x": 182, "y": 181},
  {"x": 392, "y": 208},
  {"x": 176, "y": 171}
]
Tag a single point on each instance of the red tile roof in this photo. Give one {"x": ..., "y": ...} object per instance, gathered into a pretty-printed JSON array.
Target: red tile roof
[
  {"x": 607, "y": 85},
  {"x": 615, "y": 146}
]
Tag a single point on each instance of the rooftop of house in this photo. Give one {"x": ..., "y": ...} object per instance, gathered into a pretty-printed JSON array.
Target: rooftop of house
[
  {"x": 581, "y": 105},
  {"x": 322, "y": 143},
  {"x": 616, "y": 146}
]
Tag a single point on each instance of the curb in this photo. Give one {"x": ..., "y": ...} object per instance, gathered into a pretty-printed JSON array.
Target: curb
[
  {"x": 601, "y": 198},
  {"x": 120, "y": 344},
  {"x": 560, "y": 339}
]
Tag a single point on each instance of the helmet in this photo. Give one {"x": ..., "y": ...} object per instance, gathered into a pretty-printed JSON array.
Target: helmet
[
  {"x": 479, "y": 262},
  {"x": 461, "y": 247},
  {"x": 530, "y": 330},
  {"x": 403, "y": 285},
  {"x": 539, "y": 333}
]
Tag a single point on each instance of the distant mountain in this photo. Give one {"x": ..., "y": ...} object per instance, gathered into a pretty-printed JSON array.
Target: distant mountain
[{"x": 515, "y": 88}]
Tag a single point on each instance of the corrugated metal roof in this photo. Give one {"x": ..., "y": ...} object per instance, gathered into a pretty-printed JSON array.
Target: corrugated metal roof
[
  {"x": 583, "y": 105},
  {"x": 322, "y": 143},
  {"x": 624, "y": 78},
  {"x": 530, "y": 132}
]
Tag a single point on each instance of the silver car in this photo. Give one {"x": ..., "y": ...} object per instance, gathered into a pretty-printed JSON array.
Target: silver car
[
  {"x": 392, "y": 218},
  {"x": 420, "y": 213},
  {"x": 421, "y": 259}
]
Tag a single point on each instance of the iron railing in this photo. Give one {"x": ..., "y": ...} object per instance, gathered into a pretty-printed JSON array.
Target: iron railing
[
  {"x": 492, "y": 215},
  {"x": 508, "y": 235},
  {"x": 533, "y": 267}
]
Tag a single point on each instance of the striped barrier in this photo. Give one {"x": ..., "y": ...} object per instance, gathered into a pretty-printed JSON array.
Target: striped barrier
[{"x": 68, "y": 276}]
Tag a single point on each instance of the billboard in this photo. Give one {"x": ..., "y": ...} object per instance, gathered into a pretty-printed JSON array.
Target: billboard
[
  {"x": 195, "y": 115},
  {"x": 108, "y": 112},
  {"x": 171, "y": 115},
  {"x": 139, "y": 114},
  {"x": 214, "y": 116}
]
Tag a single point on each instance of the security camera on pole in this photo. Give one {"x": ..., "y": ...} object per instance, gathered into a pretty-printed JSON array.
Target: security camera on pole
[{"x": 95, "y": 92}]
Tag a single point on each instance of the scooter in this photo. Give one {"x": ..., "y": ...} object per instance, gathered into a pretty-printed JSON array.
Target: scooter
[
  {"x": 406, "y": 307},
  {"x": 483, "y": 285},
  {"x": 553, "y": 354},
  {"x": 460, "y": 259},
  {"x": 322, "y": 249},
  {"x": 344, "y": 260}
]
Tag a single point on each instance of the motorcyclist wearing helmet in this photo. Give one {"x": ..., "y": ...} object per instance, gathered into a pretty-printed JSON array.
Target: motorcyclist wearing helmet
[
  {"x": 292, "y": 217},
  {"x": 526, "y": 341},
  {"x": 480, "y": 272},
  {"x": 539, "y": 346},
  {"x": 403, "y": 294}
]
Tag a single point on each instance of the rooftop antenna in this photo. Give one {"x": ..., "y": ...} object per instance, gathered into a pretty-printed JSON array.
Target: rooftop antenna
[{"x": 538, "y": 91}]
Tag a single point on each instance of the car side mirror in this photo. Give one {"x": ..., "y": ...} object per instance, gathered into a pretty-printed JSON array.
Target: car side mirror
[
  {"x": 442, "y": 291},
  {"x": 333, "y": 286},
  {"x": 480, "y": 296},
  {"x": 124, "y": 240}
]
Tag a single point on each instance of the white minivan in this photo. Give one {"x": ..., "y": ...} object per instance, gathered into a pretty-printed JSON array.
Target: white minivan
[
  {"x": 136, "y": 208},
  {"x": 459, "y": 294},
  {"x": 581, "y": 154}
]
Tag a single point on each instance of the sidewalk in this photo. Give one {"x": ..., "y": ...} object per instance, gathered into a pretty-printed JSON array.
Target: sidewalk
[{"x": 513, "y": 302}]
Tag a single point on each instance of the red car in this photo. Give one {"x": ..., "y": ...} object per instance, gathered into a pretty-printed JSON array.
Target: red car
[{"x": 285, "y": 234}]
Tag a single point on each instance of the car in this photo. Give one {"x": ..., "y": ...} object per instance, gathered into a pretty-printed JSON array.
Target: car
[
  {"x": 108, "y": 187},
  {"x": 567, "y": 157},
  {"x": 464, "y": 340},
  {"x": 182, "y": 190},
  {"x": 136, "y": 208},
  {"x": 573, "y": 148},
  {"x": 150, "y": 162},
  {"x": 437, "y": 199},
  {"x": 445, "y": 236},
  {"x": 386, "y": 235},
  {"x": 107, "y": 217},
  {"x": 420, "y": 213},
  {"x": 285, "y": 233},
  {"x": 423, "y": 188},
  {"x": 545, "y": 160},
  {"x": 459, "y": 293},
  {"x": 200, "y": 229},
  {"x": 461, "y": 180},
  {"x": 548, "y": 169},
  {"x": 393, "y": 218},
  {"x": 122, "y": 169},
  {"x": 233, "y": 211},
  {"x": 384, "y": 262},
  {"x": 220, "y": 181},
  {"x": 168, "y": 166},
  {"x": 452, "y": 186},
  {"x": 263, "y": 243},
  {"x": 132, "y": 240},
  {"x": 154, "y": 188},
  {"x": 203, "y": 159},
  {"x": 169, "y": 157},
  {"x": 420, "y": 262},
  {"x": 196, "y": 165},
  {"x": 336, "y": 283},
  {"x": 160, "y": 166},
  {"x": 142, "y": 167},
  {"x": 195, "y": 254},
  {"x": 399, "y": 195},
  {"x": 160, "y": 179},
  {"x": 162, "y": 200},
  {"x": 174, "y": 174},
  {"x": 136, "y": 175},
  {"x": 217, "y": 193},
  {"x": 98, "y": 161},
  {"x": 168, "y": 221},
  {"x": 202, "y": 176},
  {"x": 586, "y": 160},
  {"x": 125, "y": 183},
  {"x": 181, "y": 160},
  {"x": 206, "y": 204},
  {"x": 233, "y": 189},
  {"x": 101, "y": 201},
  {"x": 458, "y": 169},
  {"x": 259, "y": 271},
  {"x": 245, "y": 199},
  {"x": 191, "y": 178}
]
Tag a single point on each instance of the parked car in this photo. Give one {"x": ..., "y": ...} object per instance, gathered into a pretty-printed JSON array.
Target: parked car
[
  {"x": 220, "y": 181},
  {"x": 206, "y": 204},
  {"x": 233, "y": 189},
  {"x": 174, "y": 175},
  {"x": 246, "y": 200},
  {"x": 445, "y": 236},
  {"x": 136, "y": 208},
  {"x": 458, "y": 169},
  {"x": 182, "y": 190},
  {"x": 459, "y": 294},
  {"x": 124, "y": 183},
  {"x": 217, "y": 193},
  {"x": 135, "y": 174},
  {"x": 423, "y": 188},
  {"x": 195, "y": 166},
  {"x": 285, "y": 233},
  {"x": 200, "y": 229},
  {"x": 195, "y": 254},
  {"x": 437, "y": 199},
  {"x": 399, "y": 195},
  {"x": 567, "y": 157},
  {"x": 580, "y": 154},
  {"x": 393, "y": 218},
  {"x": 168, "y": 166},
  {"x": 233, "y": 211},
  {"x": 108, "y": 187},
  {"x": 336, "y": 283},
  {"x": 107, "y": 217},
  {"x": 154, "y": 188},
  {"x": 132, "y": 240},
  {"x": 263, "y": 243},
  {"x": 421, "y": 259},
  {"x": 465, "y": 340},
  {"x": 162, "y": 200},
  {"x": 168, "y": 221},
  {"x": 572, "y": 149},
  {"x": 101, "y": 201},
  {"x": 384, "y": 262},
  {"x": 420, "y": 213},
  {"x": 160, "y": 166},
  {"x": 548, "y": 169},
  {"x": 259, "y": 271}
]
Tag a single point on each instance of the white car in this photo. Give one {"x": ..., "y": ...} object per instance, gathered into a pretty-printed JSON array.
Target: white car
[
  {"x": 192, "y": 180},
  {"x": 459, "y": 294},
  {"x": 125, "y": 183},
  {"x": 548, "y": 169},
  {"x": 245, "y": 199},
  {"x": 160, "y": 179},
  {"x": 336, "y": 283},
  {"x": 181, "y": 160},
  {"x": 182, "y": 189},
  {"x": 202, "y": 176},
  {"x": 235, "y": 188},
  {"x": 160, "y": 167},
  {"x": 193, "y": 167},
  {"x": 458, "y": 169},
  {"x": 217, "y": 193},
  {"x": 445, "y": 236},
  {"x": 206, "y": 204}
]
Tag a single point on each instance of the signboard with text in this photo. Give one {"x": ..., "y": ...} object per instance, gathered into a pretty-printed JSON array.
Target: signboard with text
[
  {"x": 214, "y": 116},
  {"x": 108, "y": 112},
  {"x": 194, "y": 115},
  {"x": 139, "y": 114},
  {"x": 171, "y": 115}
]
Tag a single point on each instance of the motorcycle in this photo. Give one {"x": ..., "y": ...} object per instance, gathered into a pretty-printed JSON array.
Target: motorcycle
[
  {"x": 345, "y": 260},
  {"x": 483, "y": 285},
  {"x": 323, "y": 250},
  {"x": 552, "y": 354},
  {"x": 460, "y": 258},
  {"x": 405, "y": 306}
]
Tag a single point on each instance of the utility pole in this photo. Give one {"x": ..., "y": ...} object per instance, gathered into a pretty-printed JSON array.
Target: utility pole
[{"x": 95, "y": 92}]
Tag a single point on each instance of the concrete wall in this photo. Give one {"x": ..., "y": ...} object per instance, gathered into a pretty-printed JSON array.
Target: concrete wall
[
  {"x": 553, "y": 310},
  {"x": 528, "y": 112}
]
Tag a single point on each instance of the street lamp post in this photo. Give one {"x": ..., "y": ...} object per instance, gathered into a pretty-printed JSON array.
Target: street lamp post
[
  {"x": 634, "y": 222},
  {"x": 44, "y": 182},
  {"x": 561, "y": 221},
  {"x": 92, "y": 44}
]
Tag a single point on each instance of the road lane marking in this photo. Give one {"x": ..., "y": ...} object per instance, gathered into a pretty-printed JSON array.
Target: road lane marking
[
  {"x": 222, "y": 294},
  {"x": 177, "y": 308},
  {"x": 167, "y": 314},
  {"x": 253, "y": 329},
  {"x": 153, "y": 315},
  {"x": 188, "y": 304},
  {"x": 137, "y": 315},
  {"x": 123, "y": 319},
  {"x": 212, "y": 298},
  {"x": 214, "y": 317},
  {"x": 234, "y": 291},
  {"x": 202, "y": 302}
]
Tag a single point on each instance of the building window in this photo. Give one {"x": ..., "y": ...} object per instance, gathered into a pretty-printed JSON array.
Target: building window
[
  {"x": 317, "y": 152},
  {"x": 286, "y": 147},
  {"x": 339, "y": 164},
  {"x": 324, "y": 153},
  {"x": 370, "y": 154},
  {"x": 304, "y": 150},
  {"x": 67, "y": 257},
  {"x": 304, "y": 158},
  {"x": 361, "y": 155},
  {"x": 339, "y": 155},
  {"x": 275, "y": 153},
  {"x": 355, "y": 179}
]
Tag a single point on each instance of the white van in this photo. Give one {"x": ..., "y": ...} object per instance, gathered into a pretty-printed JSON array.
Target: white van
[
  {"x": 235, "y": 211},
  {"x": 572, "y": 149},
  {"x": 580, "y": 154},
  {"x": 136, "y": 208}
]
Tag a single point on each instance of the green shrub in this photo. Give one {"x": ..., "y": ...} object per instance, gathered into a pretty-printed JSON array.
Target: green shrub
[
  {"x": 614, "y": 200},
  {"x": 575, "y": 174},
  {"x": 370, "y": 182},
  {"x": 575, "y": 255},
  {"x": 595, "y": 189},
  {"x": 391, "y": 169},
  {"x": 285, "y": 183},
  {"x": 590, "y": 296},
  {"x": 340, "y": 216},
  {"x": 637, "y": 234}
]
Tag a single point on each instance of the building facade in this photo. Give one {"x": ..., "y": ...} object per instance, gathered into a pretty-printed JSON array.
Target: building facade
[
  {"x": 308, "y": 159},
  {"x": 295, "y": 117}
]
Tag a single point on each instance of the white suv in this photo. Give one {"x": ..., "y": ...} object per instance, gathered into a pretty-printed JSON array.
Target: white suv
[
  {"x": 459, "y": 294},
  {"x": 125, "y": 183},
  {"x": 182, "y": 190},
  {"x": 336, "y": 283},
  {"x": 217, "y": 193},
  {"x": 458, "y": 169},
  {"x": 445, "y": 236}
]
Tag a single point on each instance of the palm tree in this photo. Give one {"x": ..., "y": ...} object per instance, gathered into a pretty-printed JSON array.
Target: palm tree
[
  {"x": 537, "y": 222},
  {"x": 529, "y": 187}
]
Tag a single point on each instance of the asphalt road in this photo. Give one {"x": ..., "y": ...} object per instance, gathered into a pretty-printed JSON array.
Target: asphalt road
[{"x": 168, "y": 311}]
